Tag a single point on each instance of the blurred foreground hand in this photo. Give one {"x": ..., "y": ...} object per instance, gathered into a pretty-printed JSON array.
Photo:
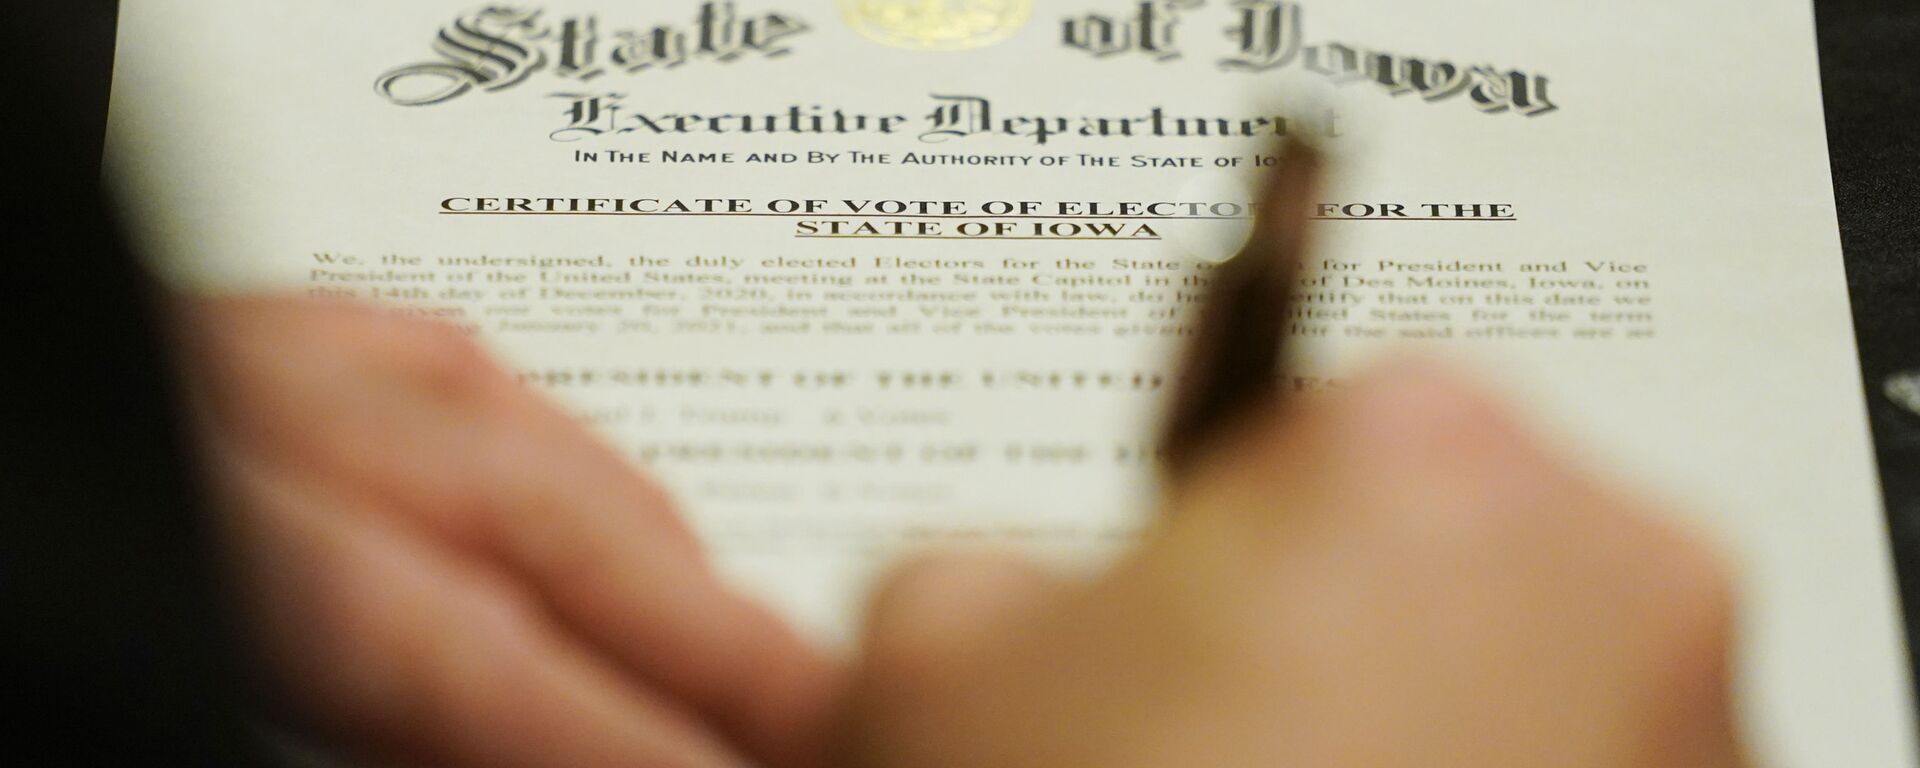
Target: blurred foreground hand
[
  {"x": 1391, "y": 577},
  {"x": 439, "y": 568}
]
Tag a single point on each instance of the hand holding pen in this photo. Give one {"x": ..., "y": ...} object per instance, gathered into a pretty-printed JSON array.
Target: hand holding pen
[{"x": 1396, "y": 574}]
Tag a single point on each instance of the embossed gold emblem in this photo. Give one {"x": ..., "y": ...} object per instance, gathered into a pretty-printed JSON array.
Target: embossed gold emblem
[{"x": 937, "y": 25}]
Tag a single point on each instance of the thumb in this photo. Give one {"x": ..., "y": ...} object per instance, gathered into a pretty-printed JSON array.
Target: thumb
[
  {"x": 931, "y": 631},
  {"x": 942, "y": 606}
]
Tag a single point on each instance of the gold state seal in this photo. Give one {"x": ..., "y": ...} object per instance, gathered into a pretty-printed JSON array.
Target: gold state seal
[{"x": 937, "y": 25}]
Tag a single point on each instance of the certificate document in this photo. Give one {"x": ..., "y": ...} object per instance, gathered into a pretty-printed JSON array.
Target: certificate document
[{"x": 861, "y": 277}]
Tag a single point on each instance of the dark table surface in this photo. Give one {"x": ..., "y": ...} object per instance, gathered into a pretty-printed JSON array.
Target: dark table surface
[{"x": 1867, "y": 51}]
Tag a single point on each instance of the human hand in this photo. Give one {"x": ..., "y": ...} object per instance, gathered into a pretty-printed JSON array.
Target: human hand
[
  {"x": 439, "y": 567},
  {"x": 1396, "y": 575}
]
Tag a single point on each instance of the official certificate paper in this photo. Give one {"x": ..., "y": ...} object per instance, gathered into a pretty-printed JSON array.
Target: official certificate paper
[{"x": 858, "y": 278}]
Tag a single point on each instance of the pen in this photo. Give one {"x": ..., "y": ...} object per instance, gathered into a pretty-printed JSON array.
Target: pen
[{"x": 1232, "y": 367}]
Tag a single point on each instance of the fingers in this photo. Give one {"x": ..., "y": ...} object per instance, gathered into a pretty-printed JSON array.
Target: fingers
[
  {"x": 930, "y": 670},
  {"x": 1414, "y": 453},
  {"x": 399, "y": 406},
  {"x": 414, "y": 656},
  {"x": 944, "y": 605},
  {"x": 1405, "y": 436},
  {"x": 427, "y": 424},
  {"x": 1413, "y": 505},
  {"x": 1398, "y": 575},
  {"x": 564, "y": 518}
]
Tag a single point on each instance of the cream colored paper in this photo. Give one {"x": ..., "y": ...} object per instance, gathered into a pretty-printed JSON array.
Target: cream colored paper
[{"x": 1660, "y": 166}]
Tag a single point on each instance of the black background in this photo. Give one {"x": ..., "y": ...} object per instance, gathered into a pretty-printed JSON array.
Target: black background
[
  {"x": 1868, "y": 60},
  {"x": 1873, "y": 124}
]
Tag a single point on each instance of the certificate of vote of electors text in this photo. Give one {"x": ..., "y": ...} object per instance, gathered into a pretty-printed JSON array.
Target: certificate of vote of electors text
[{"x": 856, "y": 278}]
